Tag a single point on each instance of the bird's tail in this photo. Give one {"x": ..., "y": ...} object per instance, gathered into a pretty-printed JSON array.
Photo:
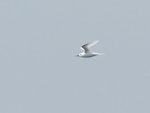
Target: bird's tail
[{"x": 99, "y": 53}]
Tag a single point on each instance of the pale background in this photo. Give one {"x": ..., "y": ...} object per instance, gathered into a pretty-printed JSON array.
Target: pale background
[{"x": 39, "y": 72}]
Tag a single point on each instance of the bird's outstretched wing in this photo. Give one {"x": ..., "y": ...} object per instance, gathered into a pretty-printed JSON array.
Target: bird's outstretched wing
[{"x": 86, "y": 47}]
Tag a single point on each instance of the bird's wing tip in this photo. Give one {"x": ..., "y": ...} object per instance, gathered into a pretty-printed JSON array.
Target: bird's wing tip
[{"x": 96, "y": 41}]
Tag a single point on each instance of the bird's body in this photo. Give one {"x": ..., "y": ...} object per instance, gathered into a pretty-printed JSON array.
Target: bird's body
[{"x": 88, "y": 53}]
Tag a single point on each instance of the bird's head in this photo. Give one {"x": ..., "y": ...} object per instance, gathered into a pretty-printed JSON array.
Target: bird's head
[{"x": 80, "y": 54}]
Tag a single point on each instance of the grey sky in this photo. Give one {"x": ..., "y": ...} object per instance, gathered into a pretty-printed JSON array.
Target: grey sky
[{"x": 36, "y": 78}]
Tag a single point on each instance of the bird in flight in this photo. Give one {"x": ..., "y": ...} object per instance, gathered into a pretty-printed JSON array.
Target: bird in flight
[{"x": 87, "y": 52}]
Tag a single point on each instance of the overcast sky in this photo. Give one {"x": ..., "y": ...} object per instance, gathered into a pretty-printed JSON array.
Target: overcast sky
[{"x": 39, "y": 72}]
